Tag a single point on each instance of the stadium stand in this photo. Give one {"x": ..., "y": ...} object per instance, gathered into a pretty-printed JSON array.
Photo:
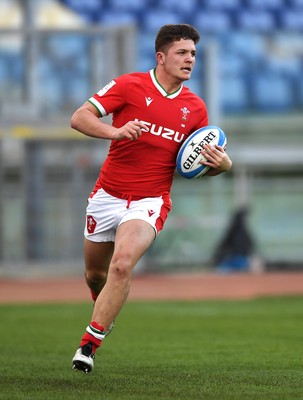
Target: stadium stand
[
  {"x": 157, "y": 17},
  {"x": 256, "y": 21},
  {"x": 234, "y": 97},
  {"x": 249, "y": 33},
  {"x": 89, "y": 10},
  {"x": 212, "y": 22},
  {"x": 49, "y": 13},
  {"x": 271, "y": 92},
  {"x": 260, "y": 63},
  {"x": 292, "y": 20}
]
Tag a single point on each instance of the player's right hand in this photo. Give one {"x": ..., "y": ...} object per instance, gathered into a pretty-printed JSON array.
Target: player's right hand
[{"x": 132, "y": 130}]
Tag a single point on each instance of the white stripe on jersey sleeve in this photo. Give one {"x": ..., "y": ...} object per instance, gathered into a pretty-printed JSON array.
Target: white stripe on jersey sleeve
[{"x": 98, "y": 106}]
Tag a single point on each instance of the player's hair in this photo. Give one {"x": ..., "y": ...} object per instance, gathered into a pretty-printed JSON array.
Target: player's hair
[{"x": 173, "y": 33}]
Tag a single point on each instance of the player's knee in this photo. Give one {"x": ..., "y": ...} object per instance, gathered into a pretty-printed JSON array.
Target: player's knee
[
  {"x": 122, "y": 267},
  {"x": 120, "y": 270},
  {"x": 95, "y": 275}
]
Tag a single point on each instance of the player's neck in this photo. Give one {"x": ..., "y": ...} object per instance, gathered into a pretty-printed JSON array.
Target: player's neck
[{"x": 169, "y": 83}]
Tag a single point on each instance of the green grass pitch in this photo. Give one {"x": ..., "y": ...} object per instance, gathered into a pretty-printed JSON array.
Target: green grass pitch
[{"x": 217, "y": 350}]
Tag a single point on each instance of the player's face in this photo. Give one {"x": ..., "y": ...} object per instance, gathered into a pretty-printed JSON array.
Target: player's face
[{"x": 179, "y": 60}]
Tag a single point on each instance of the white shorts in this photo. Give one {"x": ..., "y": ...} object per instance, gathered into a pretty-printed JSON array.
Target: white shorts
[{"x": 104, "y": 213}]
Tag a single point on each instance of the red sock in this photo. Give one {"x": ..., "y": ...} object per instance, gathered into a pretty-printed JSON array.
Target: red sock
[
  {"x": 94, "y": 295},
  {"x": 94, "y": 334}
]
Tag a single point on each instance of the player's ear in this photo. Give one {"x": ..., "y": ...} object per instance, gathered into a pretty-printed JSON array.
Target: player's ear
[{"x": 160, "y": 57}]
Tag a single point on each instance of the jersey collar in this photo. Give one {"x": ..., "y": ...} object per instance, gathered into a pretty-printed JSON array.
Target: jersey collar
[{"x": 161, "y": 89}]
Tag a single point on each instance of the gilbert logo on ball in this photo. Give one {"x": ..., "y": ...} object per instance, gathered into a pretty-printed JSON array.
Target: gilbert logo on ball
[{"x": 189, "y": 155}]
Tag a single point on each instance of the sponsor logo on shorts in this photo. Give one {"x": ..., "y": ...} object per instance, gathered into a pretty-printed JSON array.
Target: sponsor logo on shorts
[
  {"x": 151, "y": 213},
  {"x": 90, "y": 224}
]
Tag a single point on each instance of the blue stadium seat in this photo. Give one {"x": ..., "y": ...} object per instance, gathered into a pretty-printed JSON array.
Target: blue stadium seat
[
  {"x": 154, "y": 19},
  {"x": 117, "y": 18},
  {"x": 230, "y": 5},
  {"x": 292, "y": 20},
  {"x": 4, "y": 70},
  {"x": 232, "y": 63},
  {"x": 299, "y": 93},
  {"x": 286, "y": 41},
  {"x": 127, "y": 5},
  {"x": 249, "y": 45},
  {"x": 11, "y": 68},
  {"x": 88, "y": 10},
  {"x": 234, "y": 94},
  {"x": 216, "y": 22},
  {"x": 184, "y": 8},
  {"x": 51, "y": 84},
  {"x": 296, "y": 3},
  {"x": 86, "y": 6},
  {"x": 267, "y": 4},
  {"x": 272, "y": 93},
  {"x": 64, "y": 84},
  {"x": 78, "y": 91},
  {"x": 256, "y": 21},
  {"x": 146, "y": 44},
  {"x": 146, "y": 63},
  {"x": 195, "y": 85},
  {"x": 64, "y": 47},
  {"x": 285, "y": 66},
  {"x": 45, "y": 66}
]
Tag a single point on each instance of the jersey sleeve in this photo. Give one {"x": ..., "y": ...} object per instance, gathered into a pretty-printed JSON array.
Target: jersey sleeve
[{"x": 111, "y": 97}]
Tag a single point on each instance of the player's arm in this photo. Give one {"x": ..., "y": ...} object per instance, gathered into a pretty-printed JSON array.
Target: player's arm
[
  {"x": 217, "y": 159},
  {"x": 87, "y": 121}
]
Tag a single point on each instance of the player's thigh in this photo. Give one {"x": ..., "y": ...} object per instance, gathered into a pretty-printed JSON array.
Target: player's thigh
[
  {"x": 97, "y": 256},
  {"x": 133, "y": 238}
]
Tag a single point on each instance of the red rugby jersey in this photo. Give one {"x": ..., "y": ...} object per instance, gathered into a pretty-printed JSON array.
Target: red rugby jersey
[{"x": 145, "y": 167}]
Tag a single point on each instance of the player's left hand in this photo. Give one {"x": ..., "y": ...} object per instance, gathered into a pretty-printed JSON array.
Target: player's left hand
[{"x": 217, "y": 159}]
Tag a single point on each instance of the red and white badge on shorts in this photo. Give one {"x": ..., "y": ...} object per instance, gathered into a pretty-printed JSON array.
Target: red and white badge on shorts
[{"x": 90, "y": 224}]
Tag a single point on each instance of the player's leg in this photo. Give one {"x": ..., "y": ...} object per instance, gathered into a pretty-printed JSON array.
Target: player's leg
[
  {"x": 99, "y": 236},
  {"x": 133, "y": 238},
  {"x": 139, "y": 223},
  {"x": 97, "y": 257}
]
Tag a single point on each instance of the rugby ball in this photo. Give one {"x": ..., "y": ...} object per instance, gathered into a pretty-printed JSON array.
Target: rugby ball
[{"x": 189, "y": 155}]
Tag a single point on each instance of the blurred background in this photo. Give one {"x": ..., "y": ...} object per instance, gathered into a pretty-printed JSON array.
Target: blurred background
[{"x": 56, "y": 54}]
